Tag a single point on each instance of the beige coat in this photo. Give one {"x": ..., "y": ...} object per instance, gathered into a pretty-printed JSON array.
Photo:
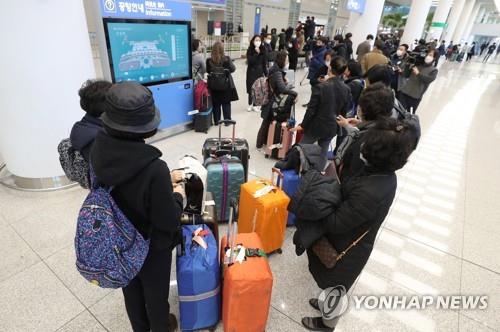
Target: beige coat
[{"x": 373, "y": 58}]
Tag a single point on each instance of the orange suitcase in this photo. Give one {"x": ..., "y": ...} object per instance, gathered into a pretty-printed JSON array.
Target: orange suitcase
[
  {"x": 247, "y": 286},
  {"x": 265, "y": 215}
]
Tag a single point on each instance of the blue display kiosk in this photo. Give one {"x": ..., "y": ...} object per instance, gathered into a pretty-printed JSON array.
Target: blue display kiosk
[{"x": 150, "y": 42}]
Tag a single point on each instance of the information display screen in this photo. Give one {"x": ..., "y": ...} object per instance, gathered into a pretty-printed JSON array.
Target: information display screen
[{"x": 147, "y": 51}]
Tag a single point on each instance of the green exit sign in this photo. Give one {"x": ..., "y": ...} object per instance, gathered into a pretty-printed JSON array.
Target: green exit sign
[{"x": 439, "y": 24}]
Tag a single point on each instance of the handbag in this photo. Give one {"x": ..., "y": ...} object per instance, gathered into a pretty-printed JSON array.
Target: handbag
[{"x": 327, "y": 254}]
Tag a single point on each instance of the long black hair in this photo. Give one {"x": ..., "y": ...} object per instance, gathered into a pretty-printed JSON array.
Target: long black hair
[{"x": 251, "y": 47}]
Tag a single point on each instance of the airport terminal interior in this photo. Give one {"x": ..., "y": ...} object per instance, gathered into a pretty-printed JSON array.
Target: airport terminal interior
[{"x": 441, "y": 234}]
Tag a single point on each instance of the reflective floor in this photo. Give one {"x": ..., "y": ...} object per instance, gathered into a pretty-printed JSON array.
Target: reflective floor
[{"x": 442, "y": 236}]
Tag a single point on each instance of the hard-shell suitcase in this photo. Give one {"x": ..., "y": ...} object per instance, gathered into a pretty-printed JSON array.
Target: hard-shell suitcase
[
  {"x": 247, "y": 285},
  {"x": 208, "y": 217},
  {"x": 290, "y": 180},
  {"x": 198, "y": 278},
  {"x": 236, "y": 147},
  {"x": 279, "y": 140},
  {"x": 202, "y": 121},
  {"x": 263, "y": 210},
  {"x": 225, "y": 176}
]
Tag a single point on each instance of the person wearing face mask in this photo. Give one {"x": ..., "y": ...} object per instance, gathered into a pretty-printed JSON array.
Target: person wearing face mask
[
  {"x": 278, "y": 84},
  {"x": 366, "y": 200},
  {"x": 398, "y": 62},
  {"x": 421, "y": 77},
  {"x": 318, "y": 58},
  {"x": 257, "y": 67},
  {"x": 269, "y": 50}
]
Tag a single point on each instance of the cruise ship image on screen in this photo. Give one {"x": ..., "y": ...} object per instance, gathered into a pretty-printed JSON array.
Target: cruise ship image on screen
[{"x": 144, "y": 54}]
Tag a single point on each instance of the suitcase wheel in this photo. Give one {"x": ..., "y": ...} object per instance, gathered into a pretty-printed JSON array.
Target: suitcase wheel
[
  {"x": 266, "y": 156},
  {"x": 279, "y": 251}
]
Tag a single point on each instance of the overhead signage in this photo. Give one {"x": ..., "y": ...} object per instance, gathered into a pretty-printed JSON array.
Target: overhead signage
[
  {"x": 357, "y": 6},
  {"x": 146, "y": 9}
]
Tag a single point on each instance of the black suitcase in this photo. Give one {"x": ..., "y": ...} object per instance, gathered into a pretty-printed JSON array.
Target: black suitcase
[
  {"x": 203, "y": 121},
  {"x": 237, "y": 147},
  {"x": 209, "y": 217}
]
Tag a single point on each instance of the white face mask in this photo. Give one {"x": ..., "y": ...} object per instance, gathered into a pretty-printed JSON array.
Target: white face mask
[
  {"x": 268, "y": 41},
  {"x": 399, "y": 53},
  {"x": 290, "y": 45},
  {"x": 429, "y": 59},
  {"x": 257, "y": 43},
  {"x": 327, "y": 63},
  {"x": 294, "y": 36}
]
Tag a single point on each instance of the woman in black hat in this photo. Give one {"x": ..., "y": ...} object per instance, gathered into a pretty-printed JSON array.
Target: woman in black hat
[{"x": 143, "y": 190}]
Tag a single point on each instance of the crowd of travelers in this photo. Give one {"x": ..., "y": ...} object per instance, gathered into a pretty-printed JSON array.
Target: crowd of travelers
[{"x": 364, "y": 96}]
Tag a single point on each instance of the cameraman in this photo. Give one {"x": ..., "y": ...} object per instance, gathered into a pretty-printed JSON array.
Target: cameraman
[
  {"x": 421, "y": 75},
  {"x": 398, "y": 62}
]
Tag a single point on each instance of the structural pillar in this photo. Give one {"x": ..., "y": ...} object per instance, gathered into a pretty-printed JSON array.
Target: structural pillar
[
  {"x": 468, "y": 28},
  {"x": 46, "y": 63},
  {"x": 439, "y": 19},
  {"x": 456, "y": 11},
  {"x": 464, "y": 18},
  {"x": 416, "y": 20},
  {"x": 361, "y": 25}
]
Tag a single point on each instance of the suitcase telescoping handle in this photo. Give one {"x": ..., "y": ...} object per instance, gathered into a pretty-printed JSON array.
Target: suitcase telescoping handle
[
  {"x": 280, "y": 176},
  {"x": 233, "y": 139},
  {"x": 232, "y": 229}
]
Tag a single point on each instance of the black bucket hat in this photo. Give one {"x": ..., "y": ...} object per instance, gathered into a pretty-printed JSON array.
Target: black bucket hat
[{"x": 130, "y": 108}]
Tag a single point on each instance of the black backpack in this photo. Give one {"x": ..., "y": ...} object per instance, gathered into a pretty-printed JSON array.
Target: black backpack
[{"x": 218, "y": 78}]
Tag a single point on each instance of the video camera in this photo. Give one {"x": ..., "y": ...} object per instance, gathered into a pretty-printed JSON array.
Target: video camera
[{"x": 414, "y": 59}]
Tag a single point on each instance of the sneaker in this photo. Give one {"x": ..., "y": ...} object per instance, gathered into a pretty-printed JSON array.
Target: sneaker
[
  {"x": 256, "y": 109},
  {"x": 250, "y": 108}
]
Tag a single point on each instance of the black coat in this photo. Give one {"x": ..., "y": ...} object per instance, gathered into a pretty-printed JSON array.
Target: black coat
[
  {"x": 366, "y": 199},
  {"x": 257, "y": 66},
  {"x": 224, "y": 97},
  {"x": 356, "y": 85},
  {"x": 322, "y": 71},
  {"x": 348, "y": 44},
  {"x": 303, "y": 157},
  {"x": 341, "y": 50},
  {"x": 142, "y": 187},
  {"x": 83, "y": 134},
  {"x": 328, "y": 100},
  {"x": 293, "y": 53}
]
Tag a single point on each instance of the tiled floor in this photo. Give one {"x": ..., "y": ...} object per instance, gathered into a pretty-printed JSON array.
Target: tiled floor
[{"x": 441, "y": 237}]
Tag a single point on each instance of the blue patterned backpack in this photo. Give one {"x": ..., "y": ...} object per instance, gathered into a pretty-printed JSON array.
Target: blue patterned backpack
[{"x": 109, "y": 250}]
